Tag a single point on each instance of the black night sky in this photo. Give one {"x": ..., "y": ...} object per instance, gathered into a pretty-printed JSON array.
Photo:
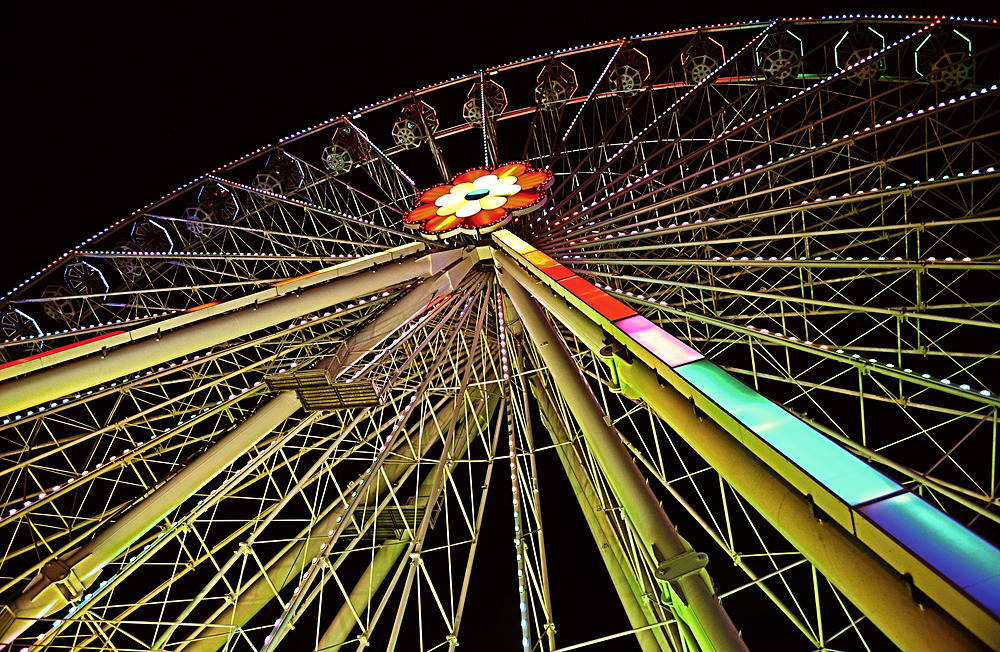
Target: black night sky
[{"x": 109, "y": 106}]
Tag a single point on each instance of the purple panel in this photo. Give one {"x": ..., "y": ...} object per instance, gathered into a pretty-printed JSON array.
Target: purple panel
[
  {"x": 960, "y": 555},
  {"x": 987, "y": 593}
]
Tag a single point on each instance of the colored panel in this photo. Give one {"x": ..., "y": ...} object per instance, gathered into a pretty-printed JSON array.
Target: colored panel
[
  {"x": 539, "y": 259},
  {"x": 551, "y": 268},
  {"x": 295, "y": 278},
  {"x": 59, "y": 349},
  {"x": 514, "y": 242},
  {"x": 987, "y": 593},
  {"x": 205, "y": 305},
  {"x": 663, "y": 345},
  {"x": 959, "y": 554},
  {"x": 556, "y": 271},
  {"x": 601, "y": 301},
  {"x": 843, "y": 474}
]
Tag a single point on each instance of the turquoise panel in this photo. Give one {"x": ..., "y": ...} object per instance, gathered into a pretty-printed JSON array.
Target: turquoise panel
[{"x": 843, "y": 474}]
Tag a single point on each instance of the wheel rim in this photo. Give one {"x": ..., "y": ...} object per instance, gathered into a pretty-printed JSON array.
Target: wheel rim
[{"x": 831, "y": 244}]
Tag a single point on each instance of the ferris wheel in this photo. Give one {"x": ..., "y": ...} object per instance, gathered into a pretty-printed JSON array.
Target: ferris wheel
[{"x": 684, "y": 341}]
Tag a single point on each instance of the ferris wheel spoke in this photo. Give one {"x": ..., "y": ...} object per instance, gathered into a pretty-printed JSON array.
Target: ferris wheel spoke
[
  {"x": 778, "y": 342},
  {"x": 690, "y": 96},
  {"x": 418, "y": 346},
  {"x": 415, "y": 307},
  {"x": 325, "y": 518},
  {"x": 147, "y": 292},
  {"x": 751, "y": 215},
  {"x": 751, "y": 123},
  {"x": 629, "y": 587},
  {"x": 533, "y": 513},
  {"x": 768, "y": 296},
  {"x": 809, "y": 152},
  {"x": 491, "y": 449},
  {"x": 190, "y": 557},
  {"x": 728, "y": 547},
  {"x": 54, "y": 383},
  {"x": 358, "y": 195},
  {"x": 145, "y": 403},
  {"x": 194, "y": 561},
  {"x": 122, "y": 459},
  {"x": 377, "y": 570},
  {"x": 359, "y": 226},
  {"x": 782, "y": 251},
  {"x": 393, "y": 477},
  {"x": 335, "y": 192},
  {"x": 213, "y": 256},
  {"x": 783, "y": 262},
  {"x": 558, "y": 147},
  {"x": 451, "y": 448},
  {"x": 659, "y": 150},
  {"x": 382, "y": 155},
  {"x": 587, "y": 151},
  {"x": 263, "y": 584},
  {"x": 88, "y": 561},
  {"x": 305, "y": 583},
  {"x": 853, "y": 352},
  {"x": 271, "y": 233}
]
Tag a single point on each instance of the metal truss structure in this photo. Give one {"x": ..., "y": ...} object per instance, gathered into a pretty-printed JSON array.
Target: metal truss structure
[{"x": 756, "y": 326}]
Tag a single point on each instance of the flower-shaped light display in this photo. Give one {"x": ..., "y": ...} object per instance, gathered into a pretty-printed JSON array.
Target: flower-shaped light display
[{"x": 479, "y": 200}]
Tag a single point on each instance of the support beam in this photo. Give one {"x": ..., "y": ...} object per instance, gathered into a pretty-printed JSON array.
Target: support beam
[
  {"x": 156, "y": 348},
  {"x": 390, "y": 551},
  {"x": 690, "y": 593},
  {"x": 281, "y": 570},
  {"x": 66, "y": 578},
  {"x": 627, "y": 585},
  {"x": 850, "y": 565},
  {"x": 399, "y": 314}
]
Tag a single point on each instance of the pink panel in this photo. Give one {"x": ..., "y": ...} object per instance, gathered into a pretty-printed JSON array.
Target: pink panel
[{"x": 654, "y": 339}]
